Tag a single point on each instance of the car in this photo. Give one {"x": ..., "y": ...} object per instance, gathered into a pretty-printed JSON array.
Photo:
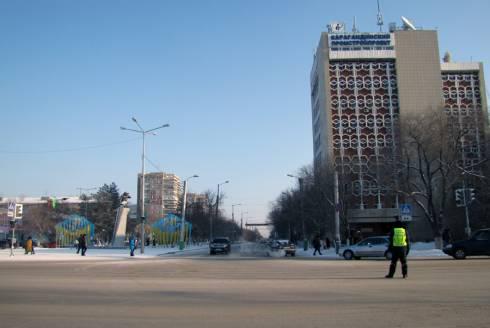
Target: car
[
  {"x": 478, "y": 244},
  {"x": 220, "y": 245},
  {"x": 285, "y": 245},
  {"x": 369, "y": 247}
]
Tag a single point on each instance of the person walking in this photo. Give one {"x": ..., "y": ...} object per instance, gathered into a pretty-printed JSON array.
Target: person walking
[
  {"x": 132, "y": 245},
  {"x": 77, "y": 243},
  {"x": 327, "y": 243},
  {"x": 29, "y": 246},
  {"x": 399, "y": 247},
  {"x": 447, "y": 238},
  {"x": 83, "y": 244},
  {"x": 317, "y": 244}
]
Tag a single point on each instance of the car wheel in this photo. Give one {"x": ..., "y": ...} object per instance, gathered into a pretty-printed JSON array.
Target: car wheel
[
  {"x": 211, "y": 253},
  {"x": 293, "y": 254},
  {"x": 460, "y": 254},
  {"x": 388, "y": 255},
  {"x": 348, "y": 255}
]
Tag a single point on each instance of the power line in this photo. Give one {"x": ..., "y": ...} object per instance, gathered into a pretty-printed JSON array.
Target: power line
[{"x": 68, "y": 149}]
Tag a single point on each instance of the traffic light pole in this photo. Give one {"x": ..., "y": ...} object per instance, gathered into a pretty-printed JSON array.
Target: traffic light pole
[
  {"x": 466, "y": 210},
  {"x": 12, "y": 240}
]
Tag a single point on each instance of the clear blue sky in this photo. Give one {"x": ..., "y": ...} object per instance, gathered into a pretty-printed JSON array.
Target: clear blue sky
[{"x": 230, "y": 77}]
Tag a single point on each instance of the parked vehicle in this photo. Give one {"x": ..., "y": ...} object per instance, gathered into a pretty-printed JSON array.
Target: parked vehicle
[
  {"x": 288, "y": 247},
  {"x": 220, "y": 245},
  {"x": 369, "y": 247},
  {"x": 478, "y": 244}
]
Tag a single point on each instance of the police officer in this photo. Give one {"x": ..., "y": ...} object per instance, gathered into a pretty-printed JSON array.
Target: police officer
[{"x": 399, "y": 247}]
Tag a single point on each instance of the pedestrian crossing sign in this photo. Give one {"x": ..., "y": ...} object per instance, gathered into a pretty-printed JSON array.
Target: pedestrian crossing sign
[{"x": 406, "y": 212}]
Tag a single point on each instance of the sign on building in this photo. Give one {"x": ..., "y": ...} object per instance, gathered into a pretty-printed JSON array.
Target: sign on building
[{"x": 336, "y": 27}]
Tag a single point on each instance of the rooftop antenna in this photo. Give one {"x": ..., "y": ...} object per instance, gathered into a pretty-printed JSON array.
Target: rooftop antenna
[
  {"x": 354, "y": 27},
  {"x": 380, "y": 18}
]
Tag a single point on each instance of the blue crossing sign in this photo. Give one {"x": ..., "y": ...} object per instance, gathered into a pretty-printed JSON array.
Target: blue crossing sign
[{"x": 405, "y": 212}]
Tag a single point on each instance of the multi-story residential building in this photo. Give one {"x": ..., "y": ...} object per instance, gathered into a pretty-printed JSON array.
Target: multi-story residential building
[
  {"x": 162, "y": 194},
  {"x": 363, "y": 86}
]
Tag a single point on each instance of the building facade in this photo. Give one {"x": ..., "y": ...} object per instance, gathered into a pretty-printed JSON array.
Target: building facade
[
  {"x": 162, "y": 194},
  {"x": 363, "y": 86}
]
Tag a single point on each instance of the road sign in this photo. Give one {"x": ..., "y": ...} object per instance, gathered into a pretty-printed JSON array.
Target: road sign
[
  {"x": 406, "y": 212},
  {"x": 11, "y": 210}
]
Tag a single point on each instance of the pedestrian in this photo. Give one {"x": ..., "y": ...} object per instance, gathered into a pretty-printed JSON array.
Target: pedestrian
[
  {"x": 447, "y": 238},
  {"x": 327, "y": 243},
  {"x": 154, "y": 241},
  {"x": 317, "y": 244},
  {"x": 132, "y": 245},
  {"x": 83, "y": 244},
  {"x": 29, "y": 246},
  {"x": 399, "y": 247},
  {"x": 77, "y": 243}
]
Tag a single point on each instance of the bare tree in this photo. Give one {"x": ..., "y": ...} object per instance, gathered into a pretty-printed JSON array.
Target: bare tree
[{"x": 429, "y": 167}]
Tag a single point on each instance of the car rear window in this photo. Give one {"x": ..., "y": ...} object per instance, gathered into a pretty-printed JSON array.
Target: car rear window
[{"x": 221, "y": 241}]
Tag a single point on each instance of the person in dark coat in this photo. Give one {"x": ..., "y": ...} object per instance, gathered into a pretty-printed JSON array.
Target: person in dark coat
[
  {"x": 399, "y": 247},
  {"x": 447, "y": 238},
  {"x": 132, "y": 245},
  {"x": 317, "y": 244},
  {"x": 327, "y": 243},
  {"x": 77, "y": 244},
  {"x": 83, "y": 244}
]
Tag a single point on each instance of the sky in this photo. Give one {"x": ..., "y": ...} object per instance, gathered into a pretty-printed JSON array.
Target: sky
[{"x": 230, "y": 77}]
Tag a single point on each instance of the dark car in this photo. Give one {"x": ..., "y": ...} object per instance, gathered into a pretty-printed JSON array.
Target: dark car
[
  {"x": 220, "y": 245},
  {"x": 478, "y": 244}
]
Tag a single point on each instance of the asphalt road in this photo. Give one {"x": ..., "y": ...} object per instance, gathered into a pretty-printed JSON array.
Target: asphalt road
[{"x": 233, "y": 291}]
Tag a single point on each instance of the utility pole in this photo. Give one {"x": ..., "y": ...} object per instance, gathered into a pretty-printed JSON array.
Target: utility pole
[
  {"x": 337, "y": 212},
  {"x": 216, "y": 215}
]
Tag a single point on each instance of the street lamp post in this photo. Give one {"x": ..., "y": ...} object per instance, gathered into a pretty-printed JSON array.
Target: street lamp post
[
  {"x": 300, "y": 181},
  {"x": 233, "y": 216},
  {"x": 233, "y": 211},
  {"x": 216, "y": 214},
  {"x": 142, "y": 187},
  {"x": 182, "y": 225},
  {"x": 241, "y": 222}
]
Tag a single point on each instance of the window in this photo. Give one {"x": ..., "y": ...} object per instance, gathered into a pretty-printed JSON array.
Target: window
[{"x": 482, "y": 235}]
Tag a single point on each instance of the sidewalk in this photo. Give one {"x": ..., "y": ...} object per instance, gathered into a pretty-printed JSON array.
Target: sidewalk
[{"x": 69, "y": 254}]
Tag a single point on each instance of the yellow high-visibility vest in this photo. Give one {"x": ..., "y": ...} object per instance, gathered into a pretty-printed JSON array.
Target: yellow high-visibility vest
[{"x": 399, "y": 237}]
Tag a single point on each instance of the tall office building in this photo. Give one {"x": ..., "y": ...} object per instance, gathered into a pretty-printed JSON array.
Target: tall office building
[
  {"x": 162, "y": 194},
  {"x": 363, "y": 86}
]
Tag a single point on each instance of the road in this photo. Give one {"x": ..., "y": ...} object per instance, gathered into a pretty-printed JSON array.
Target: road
[{"x": 233, "y": 291}]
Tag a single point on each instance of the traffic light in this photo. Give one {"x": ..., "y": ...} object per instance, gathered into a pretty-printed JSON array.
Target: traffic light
[
  {"x": 470, "y": 195},
  {"x": 459, "y": 197},
  {"x": 18, "y": 211}
]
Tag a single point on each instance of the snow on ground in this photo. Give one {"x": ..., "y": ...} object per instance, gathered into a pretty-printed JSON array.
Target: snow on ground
[
  {"x": 69, "y": 254},
  {"x": 418, "y": 250}
]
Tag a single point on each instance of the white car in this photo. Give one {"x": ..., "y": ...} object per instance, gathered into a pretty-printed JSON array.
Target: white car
[{"x": 369, "y": 247}]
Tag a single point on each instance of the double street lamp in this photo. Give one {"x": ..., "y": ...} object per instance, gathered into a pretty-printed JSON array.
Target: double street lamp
[
  {"x": 216, "y": 214},
  {"x": 182, "y": 225},
  {"x": 143, "y": 133}
]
